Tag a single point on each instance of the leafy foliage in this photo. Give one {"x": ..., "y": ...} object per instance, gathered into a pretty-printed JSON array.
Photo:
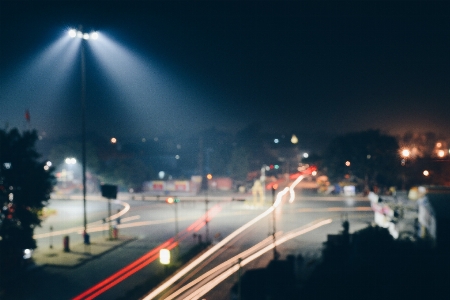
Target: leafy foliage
[{"x": 25, "y": 188}]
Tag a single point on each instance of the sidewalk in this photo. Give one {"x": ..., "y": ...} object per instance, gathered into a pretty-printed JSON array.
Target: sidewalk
[{"x": 79, "y": 253}]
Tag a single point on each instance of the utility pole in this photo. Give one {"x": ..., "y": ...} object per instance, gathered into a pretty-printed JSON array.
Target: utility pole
[{"x": 208, "y": 178}]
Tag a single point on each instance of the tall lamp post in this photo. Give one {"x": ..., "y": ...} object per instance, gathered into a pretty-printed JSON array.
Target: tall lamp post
[{"x": 84, "y": 37}]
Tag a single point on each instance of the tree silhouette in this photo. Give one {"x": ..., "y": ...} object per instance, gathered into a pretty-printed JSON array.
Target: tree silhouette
[
  {"x": 370, "y": 157},
  {"x": 25, "y": 187}
]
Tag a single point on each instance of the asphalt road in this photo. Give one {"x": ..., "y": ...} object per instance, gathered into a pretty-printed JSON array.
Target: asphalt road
[
  {"x": 153, "y": 222},
  {"x": 288, "y": 217}
]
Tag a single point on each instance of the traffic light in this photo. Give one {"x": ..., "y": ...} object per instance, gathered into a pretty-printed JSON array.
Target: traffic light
[{"x": 171, "y": 200}]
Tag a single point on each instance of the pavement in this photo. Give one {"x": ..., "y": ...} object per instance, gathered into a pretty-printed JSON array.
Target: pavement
[{"x": 78, "y": 254}]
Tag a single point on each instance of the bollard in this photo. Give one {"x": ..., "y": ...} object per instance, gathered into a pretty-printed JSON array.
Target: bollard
[
  {"x": 115, "y": 233},
  {"x": 66, "y": 244}
]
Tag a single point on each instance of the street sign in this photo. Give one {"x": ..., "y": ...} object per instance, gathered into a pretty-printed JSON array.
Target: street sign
[{"x": 109, "y": 191}]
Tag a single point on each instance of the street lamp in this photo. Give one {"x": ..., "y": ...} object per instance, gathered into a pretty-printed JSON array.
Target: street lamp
[
  {"x": 405, "y": 153},
  {"x": 83, "y": 36}
]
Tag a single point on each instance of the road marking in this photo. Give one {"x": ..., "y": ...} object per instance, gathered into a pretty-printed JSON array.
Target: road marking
[
  {"x": 78, "y": 229},
  {"x": 124, "y": 220}
]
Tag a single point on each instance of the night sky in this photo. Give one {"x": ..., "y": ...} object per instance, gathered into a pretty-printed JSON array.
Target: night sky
[{"x": 179, "y": 67}]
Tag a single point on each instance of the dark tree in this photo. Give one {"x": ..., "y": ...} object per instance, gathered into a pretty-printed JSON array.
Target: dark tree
[
  {"x": 25, "y": 187},
  {"x": 370, "y": 157}
]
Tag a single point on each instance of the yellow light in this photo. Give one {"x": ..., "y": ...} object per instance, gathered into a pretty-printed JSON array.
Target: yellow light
[
  {"x": 439, "y": 145},
  {"x": 209, "y": 176},
  {"x": 113, "y": 140},
  {"x": 294, "y": 139},
  {"x": 164, "y": 256},
  {"x": 441, "y": 153},
  {"x": 406, "y": 153},
  {"x": 170, "y": 200},
  {"x": 426, "y": 173}
]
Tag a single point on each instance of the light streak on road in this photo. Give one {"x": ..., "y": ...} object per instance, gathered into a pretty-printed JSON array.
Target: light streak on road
[
  {"x": 201, "y": 291},
  {"x": 223, "y": 265},
  {"x": 205, "y": 255},
  {"x": 279, "y": 197},
  {"x": 292, "y": 186},
  {"x": 143, "y": 261},
  {"x": 125, "y": 272},
  {"x": 81, "y": 229},
  {"x": 216, "y": 247}
]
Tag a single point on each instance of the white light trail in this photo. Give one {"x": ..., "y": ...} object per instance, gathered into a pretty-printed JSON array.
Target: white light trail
[
  {"x": 292, "y": 186},
  {"x": 223, "y": 265},
  {"x": 213, "y": 283},
  {"x": 213, "y": 249},
  {"x": 205, "y": 255}
]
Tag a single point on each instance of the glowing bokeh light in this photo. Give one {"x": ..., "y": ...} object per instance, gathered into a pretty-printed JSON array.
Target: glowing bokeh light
[
  {"x": 70, "y": 161},
  {"x": 406, "y": 153},
  {"x": 72, "y": 33},
  {"x": 294, "y": 139},
  {"x": 94, "y": 35}
]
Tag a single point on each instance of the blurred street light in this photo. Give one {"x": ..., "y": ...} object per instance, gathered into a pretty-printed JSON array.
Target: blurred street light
[
  {"x": 294, "y": 139},
  {"x": 405, "y": 153},
  {"x": 70, "y": 160}
]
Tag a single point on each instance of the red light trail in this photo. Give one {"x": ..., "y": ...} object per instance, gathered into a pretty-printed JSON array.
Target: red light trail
[{"x": 144, "y": 260}]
